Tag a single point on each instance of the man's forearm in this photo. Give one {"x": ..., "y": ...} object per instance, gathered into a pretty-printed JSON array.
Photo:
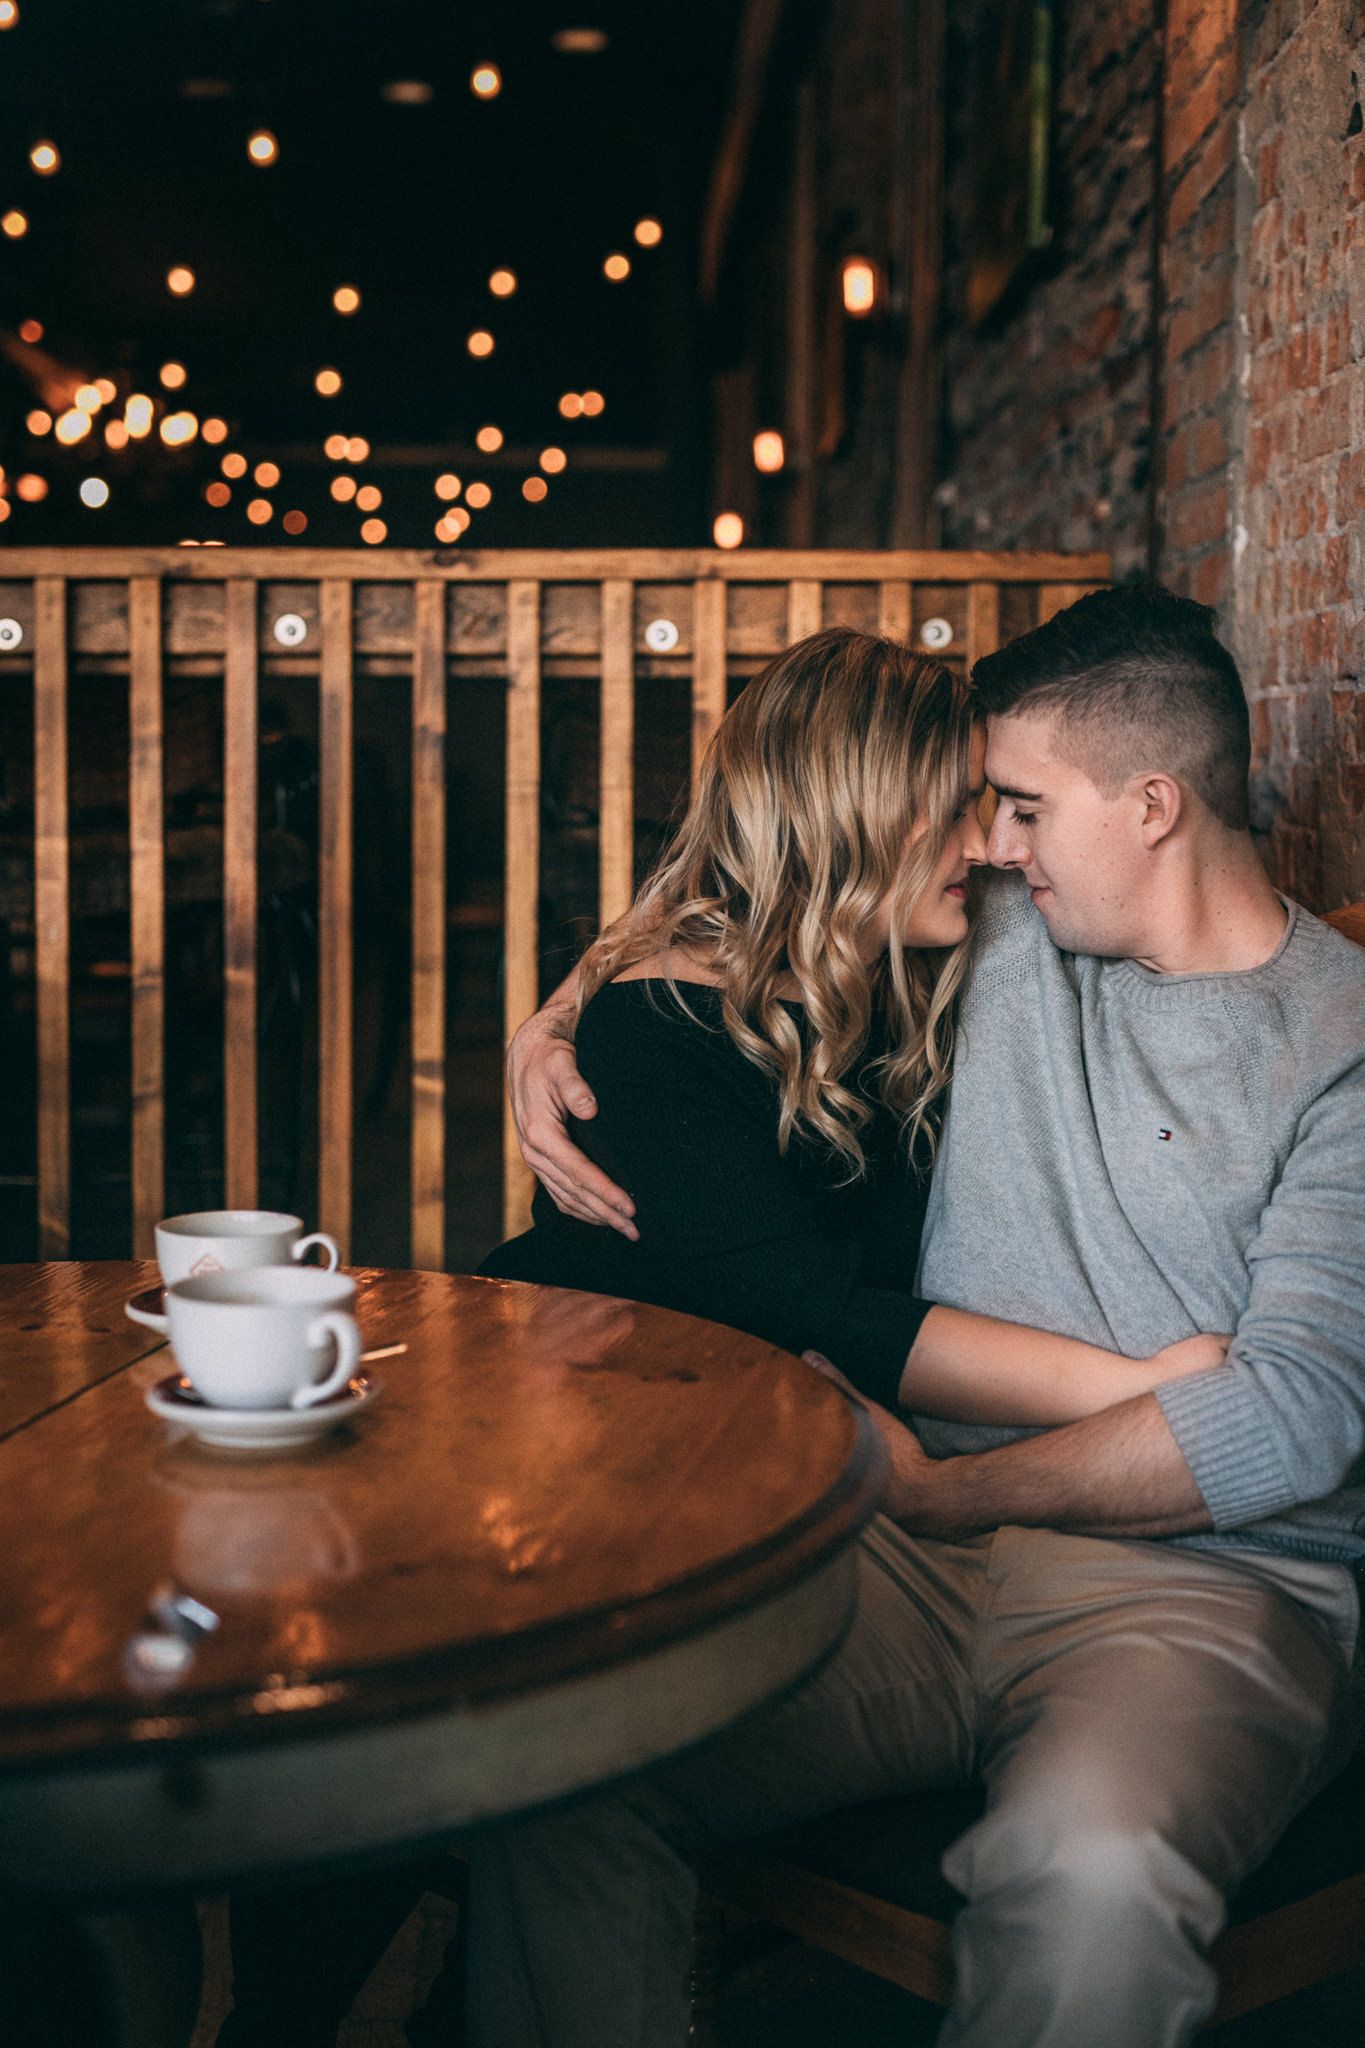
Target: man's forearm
[{"x": 1120, "y": 1473}]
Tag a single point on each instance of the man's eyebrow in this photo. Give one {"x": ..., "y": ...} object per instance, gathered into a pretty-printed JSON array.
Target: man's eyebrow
[{"x": 1022, "y": 796}]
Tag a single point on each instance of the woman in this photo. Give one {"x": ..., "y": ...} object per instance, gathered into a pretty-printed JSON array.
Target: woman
[{"x": 769, "y": 1037}]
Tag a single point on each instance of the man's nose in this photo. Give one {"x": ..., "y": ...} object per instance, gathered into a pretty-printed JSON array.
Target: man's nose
[{"x": 1006, "y": 847}]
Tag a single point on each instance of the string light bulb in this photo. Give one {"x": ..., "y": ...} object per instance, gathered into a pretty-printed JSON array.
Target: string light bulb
[
  {"x": 769, "y": 452},
  {"x": 214, "y": 431},
  {"x": 137, "y": 414},
  {"x": 859, "y": 286},
  {"x": 45, "y": 158},
  {"x": 728, "y": 530},
  {"x": 88, "y": 398},
  {"x": 327, "y": 383},
  {"x": 31, "y": 331},
  {"x": 346, "y": 299},
  {"x": 552, "y": 460},
  {"x": 180, "y": 281},
  {"x": 480, "y": 342},
  {"x": 94, "y": 492},
  {"x": 116, "y": 434},
  {"x": 233, "y": 465},
  {"x": 9, "y": 13},
  {"x": 266, "y": 474},
  {"x": 369, "y": 498},
  {"x": 343, "y": 489},
  {"x": 593, "y": 403},
  {"x": 39, "y": 422},
  {"x": 447, "y": 487},
  {"x": 373, "y": 531},
  {"x": 218, "y": 494},
  {"x": 178, "y": 429},
  {"x": 295, "y": 522},
  {"x": 32, "y": 489},
  {"x": 335, "y": 446},
  {"x": 534, "y": 489},
  {"x": 478, "y": 495},
  {"x": 357, "y": 449},
  {"x": 107, "y": 389},
  {"x": 502, "y": 283},
  {"x": 489, "y": 439},
  {"x": 485, "y": 81},
  {"x": 260, "y": 511},
  {"x": 262, "y": 148},
  {"x": 571, "y": 406},
  {"x": 14, "y": 223},
  {"x": 72, "y": 426},
  {"x": 648, "y": 232},
  {"x": 616, "y": 267},
  {"x": 172, "y": 376}
]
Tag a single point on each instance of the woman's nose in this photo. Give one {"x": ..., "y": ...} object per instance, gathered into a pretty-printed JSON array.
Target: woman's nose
[{"x": 974, "y": 843}]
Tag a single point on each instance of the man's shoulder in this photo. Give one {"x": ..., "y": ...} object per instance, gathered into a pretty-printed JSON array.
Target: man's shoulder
[
  {"x": 1321, "y": 984},
  {"x": 1006, "y": 920}
]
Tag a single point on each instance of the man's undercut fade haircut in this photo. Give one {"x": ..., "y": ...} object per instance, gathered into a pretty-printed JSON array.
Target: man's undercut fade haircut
[{"x": 1138, "y": 681}]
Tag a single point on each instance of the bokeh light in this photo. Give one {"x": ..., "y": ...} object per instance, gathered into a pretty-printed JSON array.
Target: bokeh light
[
  {"x": 39, "y": 422},
  {"x": 593, "y": 403},
  {"x": 369, "y": 498},
  {"x": 407, "y": 92},
  {"x": 261, "y": 147},
  {"x": 32, "y": 489},
  {"x": 214, "y": 431},
  {"x": 88, "y": 398},
  {"x": 9, "y": 13},
  {"x": 769, "y": 452},
  {"x": 579, "y": 42},
  {"x": 480, "y": 342},
  {"x": 648, "y": 232},
  {"x": 30, "y": 330},
  {"x": 116, "y": 434},
  {"x": 446, "y": 529},
  {"x": 178, "y": 429},
  {"x": 535, "y": 488},
  {"x": 346, "y": 299},
  {"x": 485, "y": 81},
  {"x": 295, "y": 522},
  {"x": 478, "y": 495},
  {"x": 447, "y": 487},
  {"x": 218, "y": 493},
  {"x": 14, "y": 223},
  {"x": 267, "y": 475},
  {"x": 860, "y": 286},
  {"x": 327, "y": 383},
  {"x": 552, "y": 460},
  {"x": 343, "y": 489},
  {"x": 489, "y": 439},
  {"x": 180, "y": 280},
  {"x": 172, "y": 375},
  {"x": 45, "y": 158},
  {"x": 107, "y": 390},
  {"x": 571, "y": 405},
  {"x": 335, "y": 446},
  {"x": 5, "y": 509},
  {"x": 616, "y": 267},
  {"x": 94, "y": 492},
  {"x": 72, "y": 426},
  {"x": 728, "y": 530},
  {"x": 373, "y": 531},
  {"x": 233, "y": 465},
  {"x": 502, "y": 283},
  {"x": 138, "y": 414},
  {"x": 260, "y": 511},
  {"x": 357, "y": 449}
]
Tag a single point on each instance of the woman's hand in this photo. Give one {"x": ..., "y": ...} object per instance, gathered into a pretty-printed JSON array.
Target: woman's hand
[
  {"x": 1191, "y": 1354},
  {"x": 545, "y": 1088}
]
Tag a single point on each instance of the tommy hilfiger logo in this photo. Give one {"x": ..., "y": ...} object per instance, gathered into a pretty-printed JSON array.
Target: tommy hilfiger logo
[{"x": 1163, "y": 1135}]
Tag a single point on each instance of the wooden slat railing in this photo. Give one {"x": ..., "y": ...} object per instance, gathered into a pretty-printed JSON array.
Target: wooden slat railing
[{"x": 524, "y": 617}]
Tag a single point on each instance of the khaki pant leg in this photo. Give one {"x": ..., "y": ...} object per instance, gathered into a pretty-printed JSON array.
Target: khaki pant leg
[
  {"x": 581, "y": 1917},
  {"x": 1161, "y": 1715}
]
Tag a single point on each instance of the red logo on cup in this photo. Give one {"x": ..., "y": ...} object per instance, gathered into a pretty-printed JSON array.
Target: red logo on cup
[{"x": 206, "y": 1264}]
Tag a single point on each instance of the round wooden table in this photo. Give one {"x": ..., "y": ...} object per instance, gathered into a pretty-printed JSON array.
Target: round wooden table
[{"x": 572, "y": 1536}]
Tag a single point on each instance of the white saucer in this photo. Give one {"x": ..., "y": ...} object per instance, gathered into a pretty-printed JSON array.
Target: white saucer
[{"x": 259, "y": 1429}]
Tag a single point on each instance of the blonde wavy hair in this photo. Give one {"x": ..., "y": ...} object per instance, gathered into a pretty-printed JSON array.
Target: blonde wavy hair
[{"x": 832, "y": 781}]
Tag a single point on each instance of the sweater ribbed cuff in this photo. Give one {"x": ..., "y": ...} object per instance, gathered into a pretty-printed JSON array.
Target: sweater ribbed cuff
[{"x": 1219, "y": 1422}]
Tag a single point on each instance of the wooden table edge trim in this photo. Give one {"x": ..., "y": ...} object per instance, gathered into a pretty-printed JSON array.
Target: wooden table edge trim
[{"x": 483, "y": 1675}]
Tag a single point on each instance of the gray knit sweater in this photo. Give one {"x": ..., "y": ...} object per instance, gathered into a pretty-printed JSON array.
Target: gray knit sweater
[{"x": 1131, "y": 1157}]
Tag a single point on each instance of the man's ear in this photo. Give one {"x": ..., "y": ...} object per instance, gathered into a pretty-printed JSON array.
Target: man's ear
[{"x": 1163, "y": 805}]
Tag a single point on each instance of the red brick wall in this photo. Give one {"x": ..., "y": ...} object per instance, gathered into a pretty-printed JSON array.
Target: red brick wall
[
  {"x": 1300, "y": 609},
  {"x": 1198, "y": 282},
  {"x": 1048, "y": 441}
]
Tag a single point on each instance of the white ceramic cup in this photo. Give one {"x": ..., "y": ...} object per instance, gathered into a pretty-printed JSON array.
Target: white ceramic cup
[
  {"x": 221, "y": 1240},
  {"x": 261, "y": 1338}
]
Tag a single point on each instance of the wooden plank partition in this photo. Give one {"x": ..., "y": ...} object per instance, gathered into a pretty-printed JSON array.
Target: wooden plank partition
[{"x": 523, "y": 617}]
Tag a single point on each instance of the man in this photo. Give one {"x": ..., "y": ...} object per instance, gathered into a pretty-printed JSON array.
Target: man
[{"x": 1140, "y": 1630}]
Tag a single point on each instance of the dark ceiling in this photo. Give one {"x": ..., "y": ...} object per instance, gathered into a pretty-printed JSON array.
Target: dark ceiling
[{"x": 414, "y": 203}]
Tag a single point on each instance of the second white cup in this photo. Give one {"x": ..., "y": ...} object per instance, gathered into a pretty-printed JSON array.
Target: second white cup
[
  {"x": 263, "y": 1338},
  {"x": 221, "y": 1240}
]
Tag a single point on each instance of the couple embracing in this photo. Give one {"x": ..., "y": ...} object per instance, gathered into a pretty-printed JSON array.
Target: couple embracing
[{"x": 1050, "y": 1145}]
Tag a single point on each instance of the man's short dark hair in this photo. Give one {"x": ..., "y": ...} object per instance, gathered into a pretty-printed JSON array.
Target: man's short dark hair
[{"x": 1138, "y": 680}]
